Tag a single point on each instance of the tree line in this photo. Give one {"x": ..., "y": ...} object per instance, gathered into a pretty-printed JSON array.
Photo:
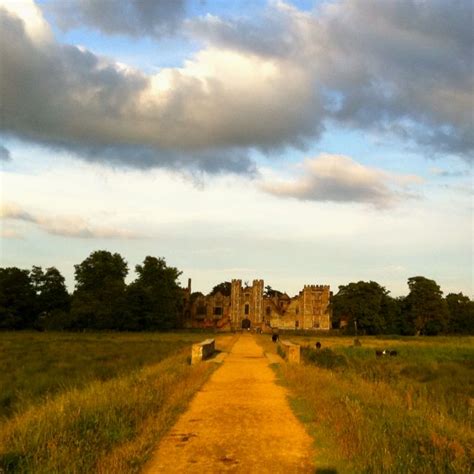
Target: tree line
[
  {"x": 101, "y": 300},
  {"x": 368, "y": 308}
]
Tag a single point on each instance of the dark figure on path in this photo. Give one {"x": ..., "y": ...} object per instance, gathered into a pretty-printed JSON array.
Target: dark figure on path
[
  {"x": 275, "y": 337},
  {"x": 318, "y": 345}
]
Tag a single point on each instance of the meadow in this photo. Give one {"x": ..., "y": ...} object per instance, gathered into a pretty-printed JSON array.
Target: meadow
[
  {"x": 410, "y": 413},
  {"x": 35, "y": 366},
  {"x": 100, "y": 402},
  {"x": 95, "y": 402}
]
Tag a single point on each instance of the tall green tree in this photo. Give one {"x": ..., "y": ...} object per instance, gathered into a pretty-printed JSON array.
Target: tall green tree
[
  {"x": 362, "y": 303},
  {"x": 424, "y": 307},
  {"x": 52, "y": 298},
  {"x": 99, "y": 298},
  {"x": 17, "y": 299},
  {"x": 461, "y": 313},
  {"x": 154, "y": 299},
  {"x": 391, "y": 311},
  {"x": 223, "y": 288},
  {"x": 50, "y": 288}
]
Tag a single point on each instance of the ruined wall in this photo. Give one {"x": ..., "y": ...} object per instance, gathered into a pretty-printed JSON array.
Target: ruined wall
[
  {"x": 209, "y": 311},
  {"x": 315, "y": 301},
  {"x": 308, "y": 310},
  {"x": 257, "y": 300}
]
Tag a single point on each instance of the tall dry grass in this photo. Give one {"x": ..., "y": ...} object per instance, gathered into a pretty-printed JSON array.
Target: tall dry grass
[
  {"x": 408, "y": 414},
  {"x": 35, "y": 366},
  {"x": 108, "y": 426}
]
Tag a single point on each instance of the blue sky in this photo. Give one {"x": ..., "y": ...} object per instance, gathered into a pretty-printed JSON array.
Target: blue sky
[{"x": 276, "y": 140}]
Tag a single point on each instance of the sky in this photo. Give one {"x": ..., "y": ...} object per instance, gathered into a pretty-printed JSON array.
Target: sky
[{"x": 302, "y": 142}]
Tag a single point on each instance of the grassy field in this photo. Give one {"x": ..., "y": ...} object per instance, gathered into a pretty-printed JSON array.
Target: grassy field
[
  {"x": 412, "y": 413},
  {"x": 82, "y": 403},
  {"x": 100, "y": 402},
  {"x": 35, "y": 366}
]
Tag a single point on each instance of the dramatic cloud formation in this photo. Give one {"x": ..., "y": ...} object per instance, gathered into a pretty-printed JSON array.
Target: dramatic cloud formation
[
  {"x": 61, "y": 226},
  {"x": 267, "y": 83},
  {"x": 341, "y": 179},
  {"x": 409, "y": 73},
  {"x": 4, "y": 154},
  {"x": 204, "y": 115},
  {"x": 128, "y": 17}
]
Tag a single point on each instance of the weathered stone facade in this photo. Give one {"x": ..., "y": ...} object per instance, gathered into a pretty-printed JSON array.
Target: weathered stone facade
[{"x": 249, "y": 307}]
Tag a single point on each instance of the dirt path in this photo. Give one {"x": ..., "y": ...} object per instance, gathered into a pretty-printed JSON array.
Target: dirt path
[{"x": 240, "y": 421}]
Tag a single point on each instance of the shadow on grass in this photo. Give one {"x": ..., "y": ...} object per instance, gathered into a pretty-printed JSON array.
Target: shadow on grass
[{"x": 10, "y": 462}]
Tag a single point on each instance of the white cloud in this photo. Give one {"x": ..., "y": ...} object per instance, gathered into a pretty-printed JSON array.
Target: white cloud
[
  {"x": 268, "y": 83},
  {"x": 341, "y": 179},
  {"x": 65, "y": 226},
  {"x": 229, "y": 227},
  {"x": 205, "y": 115},
  {"x": 408, "y": 74},
  {"x": 28, "y": 12}
]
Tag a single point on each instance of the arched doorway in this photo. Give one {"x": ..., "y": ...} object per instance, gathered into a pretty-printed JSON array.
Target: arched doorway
[{"x": 246, "y": 323}]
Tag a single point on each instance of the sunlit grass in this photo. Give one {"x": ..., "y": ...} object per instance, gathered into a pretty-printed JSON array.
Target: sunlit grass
[
  {"x": 110, "y": 426},
  {"x": 409, "y": 413},
  {"x": 35, "y": 366},
  {"x": 95, "y": 420}
]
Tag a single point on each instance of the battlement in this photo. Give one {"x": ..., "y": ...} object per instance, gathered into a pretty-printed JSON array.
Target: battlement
[
  {"x": 248, "y": 307},
  {"x": 316, "y": 287}
]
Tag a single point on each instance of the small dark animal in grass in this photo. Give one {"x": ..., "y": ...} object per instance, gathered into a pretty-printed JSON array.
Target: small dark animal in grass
[
  {"x": 357, "y": 342},
  {"x": 318, "y": 345},
  {"x": 386, "y": 352},
  {"x": 275, "y": 337}
]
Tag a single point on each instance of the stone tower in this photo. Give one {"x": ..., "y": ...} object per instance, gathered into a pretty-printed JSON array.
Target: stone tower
[
  {"x": 315, "y": 302},
  {"x": 235, "y": 297},
  {"x": 257, "y": 300}
]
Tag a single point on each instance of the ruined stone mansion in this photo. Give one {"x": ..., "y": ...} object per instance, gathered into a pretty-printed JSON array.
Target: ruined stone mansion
[{"x": 250, "y": 307}]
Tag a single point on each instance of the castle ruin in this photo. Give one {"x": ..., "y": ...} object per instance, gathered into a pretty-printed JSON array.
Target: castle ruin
[{"x": 249, "y": 306}]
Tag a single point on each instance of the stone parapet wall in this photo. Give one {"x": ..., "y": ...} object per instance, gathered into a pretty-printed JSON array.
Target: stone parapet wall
[
  {"x": 292, "y": 352},
  {"x": 202, "y": 350}
]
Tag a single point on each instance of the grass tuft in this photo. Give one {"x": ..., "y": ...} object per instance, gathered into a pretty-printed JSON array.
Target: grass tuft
[{"x": 324, "y": 358}]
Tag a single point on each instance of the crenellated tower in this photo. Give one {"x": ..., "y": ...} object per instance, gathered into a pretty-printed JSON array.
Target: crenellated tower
[
  {"x": 247, "y": 308},
  {"x": 257, "y": 300},
  {"x": 235, "y": 306},
  {"x": 315, "y": 306}
]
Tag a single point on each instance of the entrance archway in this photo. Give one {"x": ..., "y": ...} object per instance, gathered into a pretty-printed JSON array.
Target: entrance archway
[{"x": 246, "y": 323}]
